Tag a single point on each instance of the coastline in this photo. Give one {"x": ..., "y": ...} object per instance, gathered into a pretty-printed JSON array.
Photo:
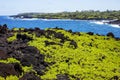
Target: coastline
[
  {"x": 97, "y": 21},
  {"x": 75, "y": 25},
  {"x": 107, "y": 22},
  {"x": 28, "y": 48}
]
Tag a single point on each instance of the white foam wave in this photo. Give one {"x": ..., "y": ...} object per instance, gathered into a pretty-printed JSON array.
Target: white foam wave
[
  {"x": 115, "y": 25},
  {"x": 98, "y": 22},
  {"x": 56, "y": 19},
  {"x": 12, "y": 18},
  {"x": 29, "y": 19},
  {"x": 104, "y": 22},
  {"x": 101, "y": 23}
]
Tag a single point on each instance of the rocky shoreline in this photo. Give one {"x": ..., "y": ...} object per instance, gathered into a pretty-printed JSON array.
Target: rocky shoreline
[
  {"x": 21, "y": 51},
  {"x": 18, "y": 49},
  {"x": 27, "y": 55},
  {"x": 116, "y": 22}
]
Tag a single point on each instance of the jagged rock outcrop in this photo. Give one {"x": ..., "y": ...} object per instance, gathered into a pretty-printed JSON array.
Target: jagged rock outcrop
[
  {"x": 3, "y": 29},
  {"x": 114, "y": 22},
  {"x": 10, "y": 69},
  {"x": 110, "y": 34}
]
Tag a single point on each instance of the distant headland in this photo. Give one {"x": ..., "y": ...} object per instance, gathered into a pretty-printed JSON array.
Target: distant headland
[
  {"x": 83, "y": 15},
  {"x": 113, "y": 16}
]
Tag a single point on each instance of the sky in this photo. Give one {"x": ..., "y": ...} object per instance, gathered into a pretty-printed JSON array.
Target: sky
[{"x": 11, "y": 7}]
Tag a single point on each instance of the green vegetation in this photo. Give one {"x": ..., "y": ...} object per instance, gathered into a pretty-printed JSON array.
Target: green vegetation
[
  {"x": 94, "y": 58},
  {"x": 17, "y": 29},
  {"x": 27, "y": 69},
  {"x": 10, "y": 39},
  {"x": 10, "y": 60},
  {"x": 85, "y": 15},
  {"x": 10, "y": 78}
]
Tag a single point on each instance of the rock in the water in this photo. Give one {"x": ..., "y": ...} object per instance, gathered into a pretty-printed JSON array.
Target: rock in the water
[{"x": 115, "y": 22}]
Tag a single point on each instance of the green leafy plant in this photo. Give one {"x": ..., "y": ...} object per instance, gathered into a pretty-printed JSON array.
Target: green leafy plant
[{"x": 95, "y": 58}]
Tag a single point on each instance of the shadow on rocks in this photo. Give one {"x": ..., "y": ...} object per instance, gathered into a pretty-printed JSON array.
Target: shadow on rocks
[
  {"x": 30, "y": 76},
  {"x": 62, "y": 77}
]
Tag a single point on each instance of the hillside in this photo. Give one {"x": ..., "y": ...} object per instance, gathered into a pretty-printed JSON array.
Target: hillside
[{"x": 57, "y": 54}]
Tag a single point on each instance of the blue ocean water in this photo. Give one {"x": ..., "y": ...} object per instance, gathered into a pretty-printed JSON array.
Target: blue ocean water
[{"x": 74, "y": 25}]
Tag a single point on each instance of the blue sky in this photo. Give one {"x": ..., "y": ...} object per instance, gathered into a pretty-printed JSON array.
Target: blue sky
[{"x": 9, "y": 7}]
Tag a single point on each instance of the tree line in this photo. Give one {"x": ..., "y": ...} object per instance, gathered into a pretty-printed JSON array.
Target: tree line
[{"x": 83, "y": 15}]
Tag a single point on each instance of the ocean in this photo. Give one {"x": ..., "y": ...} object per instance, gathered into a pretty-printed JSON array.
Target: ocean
[{"x": 67, "y": 24}]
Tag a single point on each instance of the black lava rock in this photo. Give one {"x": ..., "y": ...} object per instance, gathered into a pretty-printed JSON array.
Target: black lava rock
[{"x": 10, "y": 69}]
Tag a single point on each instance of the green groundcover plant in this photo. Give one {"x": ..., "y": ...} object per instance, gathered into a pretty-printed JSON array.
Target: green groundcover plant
[{"x": 95, "y": 57}]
